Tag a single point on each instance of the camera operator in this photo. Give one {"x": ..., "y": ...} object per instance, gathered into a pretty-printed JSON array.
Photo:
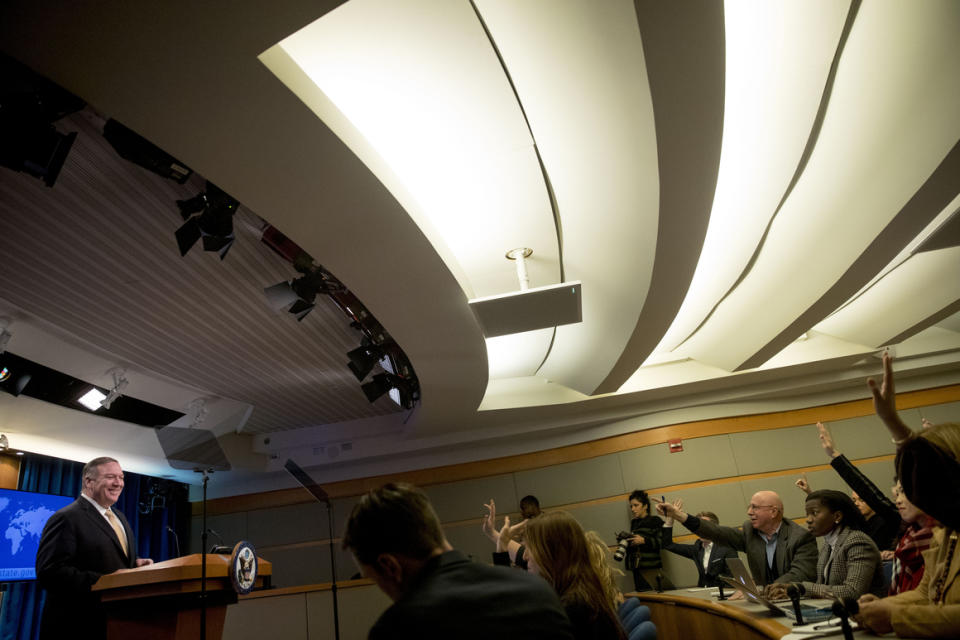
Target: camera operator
[{"x": 643, "y": 545}]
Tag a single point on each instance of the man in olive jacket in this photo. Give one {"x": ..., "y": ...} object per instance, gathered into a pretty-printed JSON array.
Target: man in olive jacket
[{"x": 777, "y": 550}]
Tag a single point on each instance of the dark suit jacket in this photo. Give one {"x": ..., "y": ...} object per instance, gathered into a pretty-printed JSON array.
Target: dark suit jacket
[
  {"x": 76, "y": 548},
  {"x": 717, "y": 565},
  {"x": 795, "y": 557},
  {"x": 454, "y": 597}
]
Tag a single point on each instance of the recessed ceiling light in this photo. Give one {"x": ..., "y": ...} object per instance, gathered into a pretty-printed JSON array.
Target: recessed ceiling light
[{"x": 91, "y": 399}]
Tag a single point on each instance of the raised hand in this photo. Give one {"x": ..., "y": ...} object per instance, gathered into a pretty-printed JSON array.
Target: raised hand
[
  {"x": 507, "y": 533},
  {"x": 826, "y": 441},
  {"x": 488, "y": 524},
  {"x": 884, "y": 401},
  {"x": 669, "y": 510},
  {"x": 802, "y": 484}
]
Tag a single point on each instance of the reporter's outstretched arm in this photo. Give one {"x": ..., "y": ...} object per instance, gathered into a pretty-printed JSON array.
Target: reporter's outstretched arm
[{"x": 885, "y": 402}]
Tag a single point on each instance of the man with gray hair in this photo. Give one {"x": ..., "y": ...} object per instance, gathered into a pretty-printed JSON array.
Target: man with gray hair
[
  {"x": 81, "y": 542},
  {"x": 396, "y": 538}
]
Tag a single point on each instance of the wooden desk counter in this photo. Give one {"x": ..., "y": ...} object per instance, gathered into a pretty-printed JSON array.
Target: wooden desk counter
[{"x": 685, "y": 614}]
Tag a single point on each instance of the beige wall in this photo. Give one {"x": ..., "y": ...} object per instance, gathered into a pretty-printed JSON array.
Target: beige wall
[{"x": 714, "y": 472}]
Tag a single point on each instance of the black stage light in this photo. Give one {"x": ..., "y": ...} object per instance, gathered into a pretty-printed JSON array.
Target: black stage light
[
  {"x": 297, "y": 296},
  {"x": 214, "y": 224},
  {"x": 363, "y": 359},
  {"x": 408, "y": 391},
  {"x": 29, "y": 104},
  {"x": 140, "y": 151},
  {"x": 377, "y": 387}
]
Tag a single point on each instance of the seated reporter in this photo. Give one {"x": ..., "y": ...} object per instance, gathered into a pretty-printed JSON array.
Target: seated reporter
[
  {"x": 710, "y": 557},
  {"x": 849, "y": 561},
  {"x": 928, "y": 465},
  {"x": 558, "y": 550},
  {"x": 778, "y": 550},
  {"x": 437, "y": 592}
]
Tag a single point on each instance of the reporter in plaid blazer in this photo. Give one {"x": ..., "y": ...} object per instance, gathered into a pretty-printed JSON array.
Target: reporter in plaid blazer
[{"x": 849, "y": 562}]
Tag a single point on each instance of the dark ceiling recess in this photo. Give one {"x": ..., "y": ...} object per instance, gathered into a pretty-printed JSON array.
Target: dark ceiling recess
[
  {"x": 29, "y": 105},
  {"x": 25, "y": 377},
  {"x": 376, "y": 345},
  {"x": 133, "y": 147}
]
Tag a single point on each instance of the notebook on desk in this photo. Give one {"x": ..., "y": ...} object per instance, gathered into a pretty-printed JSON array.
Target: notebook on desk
[{"x": 743, "y": 581}]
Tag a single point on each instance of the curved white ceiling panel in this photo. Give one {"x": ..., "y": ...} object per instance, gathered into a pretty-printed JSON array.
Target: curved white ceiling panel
[
  {"x": 778, "y": 57},
  {"x": 580, "y": 76},
  {"x": 920, "y": 288},
  {"x": 421, "y": 84},
  {"x": 891, "y": 120}
]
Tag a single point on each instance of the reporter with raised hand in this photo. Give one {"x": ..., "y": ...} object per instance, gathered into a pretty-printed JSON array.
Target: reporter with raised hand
[
  {"x": 928, "y": 464},
  {"x": 778, "y": 550},
  {"x": 709, "y": 556},
  {"x": 882, "y": 517}
]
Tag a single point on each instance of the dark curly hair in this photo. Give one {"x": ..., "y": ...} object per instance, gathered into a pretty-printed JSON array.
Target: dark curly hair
[
  {"x": 837, "y": 501},
  {"x": 641, "y": 497}
]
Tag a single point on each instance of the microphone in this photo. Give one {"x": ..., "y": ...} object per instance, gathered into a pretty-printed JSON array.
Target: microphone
[
  {"x": 843, "y": 610},
  {"x": 722, "y": 595},
  {"x": 176, "y": 540},
  {"x": 793, "y": 591},
  {"x": 218, "y": 548}
]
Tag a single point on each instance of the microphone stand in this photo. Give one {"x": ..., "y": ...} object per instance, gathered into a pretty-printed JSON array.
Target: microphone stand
[
  {"x": 203, "y": 556},
  {"x": 793, "y": 591},
  {"x": 840, "y": 610},
  {"x": 307, "y": 483},
  {"x": 333, "y": 572},
  {"x": 176, "y": 540}
]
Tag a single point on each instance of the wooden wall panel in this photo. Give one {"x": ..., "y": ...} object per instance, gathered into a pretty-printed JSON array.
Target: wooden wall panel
[
  {"x": 573, "y": 482},
  {"x": 288, "y": 524},
  {"x": 701, "y": 459},
  {"x": 760, "y": 451},
  {"x": 9, "y": 471},
  {"x": 278, "y": 617},
  {"x": 463, "y": 500}
]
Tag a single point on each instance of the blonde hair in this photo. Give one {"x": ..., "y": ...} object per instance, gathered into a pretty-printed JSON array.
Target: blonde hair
[
  {"x": 560, "y": 549},
  {"x": 608, "y": 573},
  {"x": 946, "y": 436}
]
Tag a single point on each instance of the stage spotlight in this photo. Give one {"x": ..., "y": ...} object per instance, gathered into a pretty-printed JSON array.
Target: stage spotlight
[
  {"x": 363, "y": 359},
  {"x": 214, "y": 224},
  {"x": 404, "y": 392},
  {"x": 29, "y": 104},
  {"x": 297, "y": 296}
]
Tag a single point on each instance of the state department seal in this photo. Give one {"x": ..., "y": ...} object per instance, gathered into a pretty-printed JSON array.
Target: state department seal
[{"x": 243, "y": 567}]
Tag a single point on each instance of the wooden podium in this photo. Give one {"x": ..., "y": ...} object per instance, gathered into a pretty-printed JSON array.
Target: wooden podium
[{"x": 161, "y": 601}]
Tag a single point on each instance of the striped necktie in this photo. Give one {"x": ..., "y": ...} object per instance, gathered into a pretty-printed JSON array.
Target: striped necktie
[{"x": 118, "y": 529}]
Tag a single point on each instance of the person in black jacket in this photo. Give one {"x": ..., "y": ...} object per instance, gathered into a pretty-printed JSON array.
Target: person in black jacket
[
  {"x": 643, "y": 551},
  {"x": 709, "y": 557},
  {"x": 437, "y": 592},
  {"x": 81, "y": 542}
]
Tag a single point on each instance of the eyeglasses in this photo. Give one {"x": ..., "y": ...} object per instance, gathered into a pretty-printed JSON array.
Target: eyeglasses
[{"x": 757, "y": 507}]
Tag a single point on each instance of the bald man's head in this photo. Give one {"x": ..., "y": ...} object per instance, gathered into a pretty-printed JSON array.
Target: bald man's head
[{"x": 765, "y": 511}]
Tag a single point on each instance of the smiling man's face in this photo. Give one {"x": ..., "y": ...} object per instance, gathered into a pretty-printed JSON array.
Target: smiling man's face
[{"x": 106, "y": 487}]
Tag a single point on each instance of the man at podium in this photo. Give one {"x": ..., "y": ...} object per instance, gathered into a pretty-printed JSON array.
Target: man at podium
[{"x": 81, "y": 542}]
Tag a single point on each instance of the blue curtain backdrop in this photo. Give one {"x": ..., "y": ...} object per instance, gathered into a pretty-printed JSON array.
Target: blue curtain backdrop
[{"x": 23, "y": 601}]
